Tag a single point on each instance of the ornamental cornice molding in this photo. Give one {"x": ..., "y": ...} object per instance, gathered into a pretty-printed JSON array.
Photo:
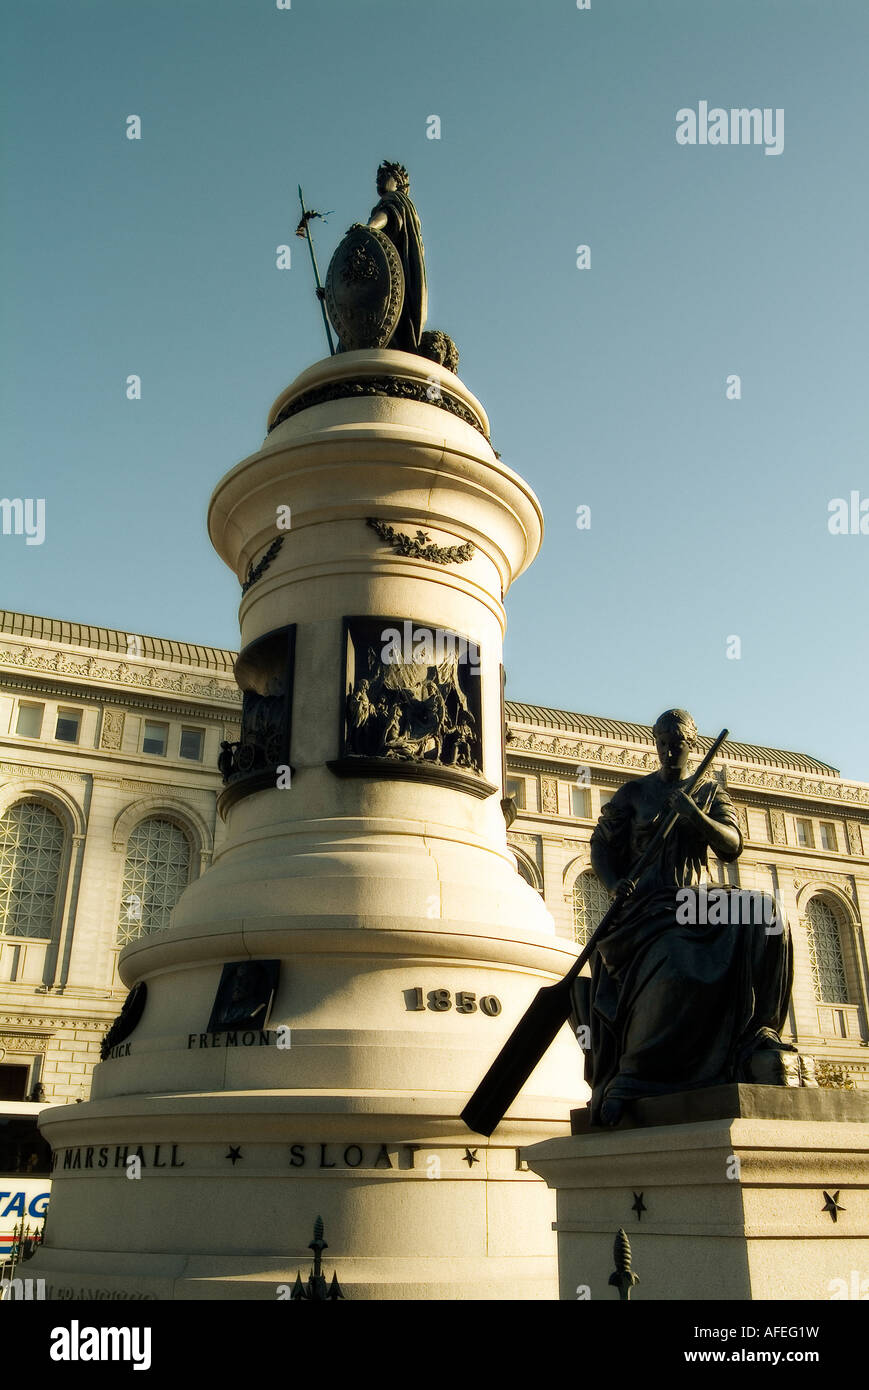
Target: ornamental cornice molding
[
  {"x": 32, "y": 771},
  {"x": 583, "y": 750},
  {"x": 736, "y": 775},
  {"x": 798, "y": 784},
  {"x": 39, "y": 1024},
  {"x": 130, "y": 784},
  {"x": 148, "y": 678},
  {"x": 106, "y": 695},
  {"x": 844, "y": 882}
]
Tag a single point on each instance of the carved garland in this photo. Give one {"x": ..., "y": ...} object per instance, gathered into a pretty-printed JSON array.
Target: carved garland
[
  {"x": 379, "y": 386},
  {"x": 421, "y": 546},
  {"x": 255, "y": 572}
]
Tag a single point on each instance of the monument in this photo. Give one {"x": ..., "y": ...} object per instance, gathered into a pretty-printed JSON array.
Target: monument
[
  {"x": 699, "y": 1112},
  {"x": 300, "y": 1042}
]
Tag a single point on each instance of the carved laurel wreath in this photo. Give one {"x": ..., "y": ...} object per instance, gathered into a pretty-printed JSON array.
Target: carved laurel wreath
[
  {"x": 255, "y": 572},
  {"x": 421, "y": 546}
]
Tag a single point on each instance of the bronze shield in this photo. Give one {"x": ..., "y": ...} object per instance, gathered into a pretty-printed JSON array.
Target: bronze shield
[{"x": 365, "y": 289}]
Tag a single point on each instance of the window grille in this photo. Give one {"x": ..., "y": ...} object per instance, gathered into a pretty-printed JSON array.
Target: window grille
[
  {"x": 825, "y": 953},
  {"x": 31, "y": 853},
  {"x": 590, "y": 902},
  {"x": 156, "y": 873}
]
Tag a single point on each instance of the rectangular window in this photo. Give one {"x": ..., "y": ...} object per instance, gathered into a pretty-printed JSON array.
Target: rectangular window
[
  {"x": 30, "y": 720},
  {"x": 516, "y": 789},
  {"x": 828, "y": 835},
  {"x": 580, "y": 803},
  {"x": 191, "y": 744},
  {"x": 605, "y": 797},
  {"x": 68, "y": 725},
  {"x": 155, "y": 738},
  {"x": 804, "y": 834}
]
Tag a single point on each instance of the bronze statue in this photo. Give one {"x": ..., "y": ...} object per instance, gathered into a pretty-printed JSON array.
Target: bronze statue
[
  {"x": 375, "y": 291},
  {"x": 396, "y": 216},
  {"x": 676, "y": 1001}
]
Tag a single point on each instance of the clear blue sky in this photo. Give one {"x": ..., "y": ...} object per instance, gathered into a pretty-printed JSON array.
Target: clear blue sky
[{"x": 605, "y": 386}]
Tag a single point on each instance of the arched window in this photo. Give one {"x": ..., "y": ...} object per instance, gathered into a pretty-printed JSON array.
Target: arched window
[
  {"x": 31, "y": 855},
  {"x": 590, "y": 902},
  {"x": 156, "y": 873},
  {"x": 524, "y": 871},
  {"x": 825, "y": 952}
]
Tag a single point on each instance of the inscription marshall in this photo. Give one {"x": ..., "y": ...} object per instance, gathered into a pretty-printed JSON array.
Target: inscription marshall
[
  {"x": 308, "y": 1155},
  {"x": 100, "y": 1156}
]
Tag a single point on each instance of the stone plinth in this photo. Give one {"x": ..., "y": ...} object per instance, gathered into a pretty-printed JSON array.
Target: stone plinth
[
  {"x": 406, "y": 941},
  {"x": 733, "y": 1182}
]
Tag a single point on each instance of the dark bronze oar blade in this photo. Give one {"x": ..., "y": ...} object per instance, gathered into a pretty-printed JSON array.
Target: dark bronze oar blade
[{"x": 517, "y": 1059}]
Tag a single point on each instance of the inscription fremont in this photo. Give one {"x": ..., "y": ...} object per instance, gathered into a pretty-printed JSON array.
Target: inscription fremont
[{"x": 252, "y": 1037}]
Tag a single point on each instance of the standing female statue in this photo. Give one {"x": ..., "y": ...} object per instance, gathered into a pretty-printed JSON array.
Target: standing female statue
[
  {"x": 396, "y": 216},
  {"x": 677, "y": 1002}
]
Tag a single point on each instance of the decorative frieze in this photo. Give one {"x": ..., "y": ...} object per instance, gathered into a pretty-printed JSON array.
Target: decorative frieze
[
  {"x": 550, "y": 794},
  {"x": 127, "y": 784},
  {"x": 583, "y": 751},
  {"x": 52, "y": 774},
  {"x": 855, "y": 838},
  {"x": 122, "y": 672},
  {"x": 528, "y": 841},
  {"x": 38, "y": 1021},
  {"x": 23, "y": 1042},
  {"x": 823, "y": 789}
]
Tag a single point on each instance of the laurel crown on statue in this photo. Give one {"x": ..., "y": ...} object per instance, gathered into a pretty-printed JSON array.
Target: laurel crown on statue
[{"x": 395, "y": 171}]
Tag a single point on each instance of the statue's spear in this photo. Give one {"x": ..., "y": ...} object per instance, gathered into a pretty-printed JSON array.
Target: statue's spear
[{"x": 304, "y": 230}]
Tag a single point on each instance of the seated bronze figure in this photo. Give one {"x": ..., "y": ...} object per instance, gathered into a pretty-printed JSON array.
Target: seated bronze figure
[{"x": 676, "y": 1000}]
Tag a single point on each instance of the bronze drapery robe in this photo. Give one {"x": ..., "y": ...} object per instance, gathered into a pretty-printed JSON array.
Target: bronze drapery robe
[
  {"x": 404, "y": 231},
  {"x": 673, "y": 1007}
]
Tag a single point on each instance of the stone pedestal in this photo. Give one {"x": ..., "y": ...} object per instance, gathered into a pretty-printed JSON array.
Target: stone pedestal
[
  {"x": 736, "y": 1192},
  {"x": 408, "y": 944}
]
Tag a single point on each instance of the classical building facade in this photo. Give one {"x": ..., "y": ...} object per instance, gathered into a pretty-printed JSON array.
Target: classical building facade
[{"x": 108, "y": 790}]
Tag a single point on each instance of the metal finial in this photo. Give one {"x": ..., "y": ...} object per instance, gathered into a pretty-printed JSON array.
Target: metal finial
[{"x": 623, "y": 1277}]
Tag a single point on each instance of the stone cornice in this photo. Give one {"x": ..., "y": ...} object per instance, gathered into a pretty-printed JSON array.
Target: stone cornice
[
  {"x": 101, "y": 695},
  {"x": 153, "y": 678},
  {"x": 798, "y": 784},
  {"x": 559, "y": 748},
  {"x": 35, "y": 770},
  {"x": 39, "y": 1026}
]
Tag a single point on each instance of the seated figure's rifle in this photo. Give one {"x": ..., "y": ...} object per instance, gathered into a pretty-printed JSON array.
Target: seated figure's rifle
[{"x": 551, "y": 1005}]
